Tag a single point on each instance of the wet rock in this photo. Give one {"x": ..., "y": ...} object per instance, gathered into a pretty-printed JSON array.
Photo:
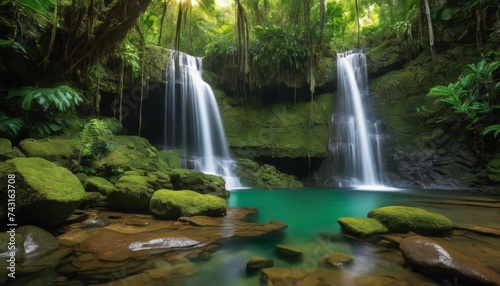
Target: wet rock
[
  {"x": 279, "y": 276},
  {"x": 158, "y": 277},
  {"x": 183, "y": 179},
  {"x": 46, "y": 194},
  {"x": 337, "y": 259},
  {"x": 438, "y": 260},
  {"x": 95, "y": 222},
  {"x": 404, "y": 219},
  {"x": 361, "y": 227},
  {"x": 478, "y": 229},
  {"x": 289, "y": 252},
  {"x": 259, "y": 262},
  {"x": 168, "y": 204},
  {"x": 372, "y": 280}
]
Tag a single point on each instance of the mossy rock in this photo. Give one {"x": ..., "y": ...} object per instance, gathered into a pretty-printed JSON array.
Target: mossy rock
[
  {"x": 183, "y": 179},
  {"x": 171, "y": 157},
  {"x": 264, "y": 176},
  {"x": 405, "y": 219},
  {"x": 133, "y": 190},
  {"x": 128, "y": 153},
  {"x": 46, "y": 194},
  {"x": 169, "y": 204},
  {"x": 98, "y": 184},
  {"x": 493, "y": 169},
  {"x": 361, "y": 227},
  {"x": 56, "y": 149},
  {"x": 6, "y": 150}
]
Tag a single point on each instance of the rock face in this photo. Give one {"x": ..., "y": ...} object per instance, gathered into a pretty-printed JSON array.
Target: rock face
[
  {"x": 46, "y": 194},
  {"x": 361, "y": 227},
  {"x": 404, "y": 219},
  {"x": 168, "y": 204},
  {"x": 438, "y": 260}
]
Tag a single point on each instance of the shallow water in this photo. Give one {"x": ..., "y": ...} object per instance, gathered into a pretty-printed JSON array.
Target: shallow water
[{"x": 311, "y": 215}]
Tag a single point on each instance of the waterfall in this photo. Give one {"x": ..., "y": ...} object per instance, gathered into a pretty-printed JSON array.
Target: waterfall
[
  {"x": 355, "y": 139},
  {"x": 192, "y": 120}
]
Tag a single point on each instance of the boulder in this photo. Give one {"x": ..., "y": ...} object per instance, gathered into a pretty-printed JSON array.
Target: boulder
[
  {"x": 361, "y": 227},
  {"x": 56, "y": 149},
  {"x": 264, "y": 176},
  {"x": 183, "y": 179},
  {"x": 405, "y": 219},
  {"x": 133, "y": 191},
  {"x": 168, "y": 204},
  {"x": 98, "y": 184},
  {"x": 436, "y": 259},
  {"x": 259, "y": 263},
  {"x": 45, "y": 194},
  {"x": 6, "y": 150}
]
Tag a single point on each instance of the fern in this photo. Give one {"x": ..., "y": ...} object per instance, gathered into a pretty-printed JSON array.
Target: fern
[
  {"x": 11, "y": 126},
  {"x": 90, "y": 143},
  {"x": 492, "y": 128},
  {"x": 61, "y": 98}
]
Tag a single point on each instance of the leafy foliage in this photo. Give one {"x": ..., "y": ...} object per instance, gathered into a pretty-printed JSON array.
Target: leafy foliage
[
  {"x": 90, "y": 142},
  {"x": 473, "y": 98},
  {"x": 39, "y": 110}
]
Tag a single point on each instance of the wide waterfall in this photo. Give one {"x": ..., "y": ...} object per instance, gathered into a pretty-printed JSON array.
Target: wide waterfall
[
  {"x": 192, "y": 120},
  {"x": 355, "y": 139}
]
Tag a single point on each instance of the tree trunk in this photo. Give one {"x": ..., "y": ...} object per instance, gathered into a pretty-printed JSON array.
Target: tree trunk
[
  {"x": 322, "y": 20},
  {"x": 431, "y": 32},
  {"x": 357, "y": 17}
]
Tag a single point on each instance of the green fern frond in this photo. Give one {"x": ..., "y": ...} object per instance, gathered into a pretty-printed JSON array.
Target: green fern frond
[{"x": 61, "y": 98}]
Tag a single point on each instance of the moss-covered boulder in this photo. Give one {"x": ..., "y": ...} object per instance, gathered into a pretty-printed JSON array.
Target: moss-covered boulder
[
  {"x": 493, "y": 169},
  {"x": 133, "y": 191},
  {"x": 128, "y": 153},
  {"x": 361, "y": 227},
  {"x": 264, "y": 176},
  {"x": 56, "y": 149},
  {"x": 98, "y": 184},
  {"x": 169, "y": 204},
  {"x": 46, "y": 194},
  {"x": 404, "y": 219},
  {"x": 7, "y": 151},
  {"x": 183, "y": 179}
]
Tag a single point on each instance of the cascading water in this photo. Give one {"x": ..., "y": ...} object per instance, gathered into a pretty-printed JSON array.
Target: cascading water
[
  {"x": 355, "y": 141},
  {"x": 192, "y": 120}
]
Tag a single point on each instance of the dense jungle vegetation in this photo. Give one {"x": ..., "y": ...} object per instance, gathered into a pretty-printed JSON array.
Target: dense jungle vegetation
[{"x": 56, "y": 53}]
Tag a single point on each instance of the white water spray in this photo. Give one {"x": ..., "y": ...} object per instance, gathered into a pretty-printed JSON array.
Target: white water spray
[
  {"x": 355, "y": 141},
  {"x": 192, "y": 120}
]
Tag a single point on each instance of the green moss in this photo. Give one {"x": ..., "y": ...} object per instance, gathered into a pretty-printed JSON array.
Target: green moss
[
  {"x": 131, "y": 192},
  {"x": 46, "y": 194},
  {"x": 183, "y": 179},
  {"x": 404, "y": 219},
  {"x": 171, "y": 157},
  {"x": 280, "y": 130},
  {"x": 98, "y": 184},
  {"x": 55, "y": 149},
  {"x": 170, "y": 204},
  {"x": 264, "y": 176},
  {"x": 361, "y": 227},
  {"x": 493, "y": 169}
]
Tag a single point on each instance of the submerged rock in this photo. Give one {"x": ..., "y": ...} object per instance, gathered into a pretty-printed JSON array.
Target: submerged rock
[
  {"x": 337, "y": 259},
  {"x": 46, "y": 194},
  {"x": 438, "y": 260},
  {"x": 375, "y": 280},
  {"x": 361, "y": 227},
  {"x": 405, "y": 219},
  {"x": 168, "y": 204},
  {"x": 259, "y": 262},
  {"x": 289, "y": 252}
]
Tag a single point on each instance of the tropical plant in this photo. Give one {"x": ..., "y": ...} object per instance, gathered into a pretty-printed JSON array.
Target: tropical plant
[
  {"x": 39, "y": 110},
  {"x": 90, "y": 143},
  {"x": 473, "y": 98}
]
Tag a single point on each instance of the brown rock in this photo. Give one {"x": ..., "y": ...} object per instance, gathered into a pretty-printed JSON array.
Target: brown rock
[
  {"x": 288, "y": 252},
  {"x": 337, "y": 259},
  {"x": 259, "y": 262},
  {"x": 372, "y": 280},
  {"x": 438, "y": 260},
  {"x": 279, "y": 276}
]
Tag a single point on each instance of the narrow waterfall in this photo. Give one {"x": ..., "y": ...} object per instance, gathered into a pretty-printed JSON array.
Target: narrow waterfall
[
  {"x": 192, "y": 120},
  {"x": 355, "y": 140}
]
